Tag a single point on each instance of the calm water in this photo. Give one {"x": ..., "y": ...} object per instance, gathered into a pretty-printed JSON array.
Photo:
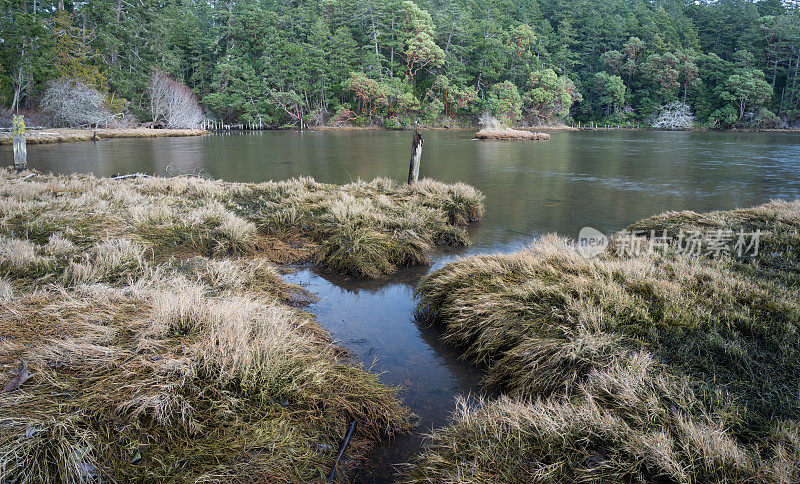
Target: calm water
[{"x": 603, "y": 179}]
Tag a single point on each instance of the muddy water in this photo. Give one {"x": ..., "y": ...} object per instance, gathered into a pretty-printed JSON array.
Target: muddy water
[{"x": 601, "y": 179}]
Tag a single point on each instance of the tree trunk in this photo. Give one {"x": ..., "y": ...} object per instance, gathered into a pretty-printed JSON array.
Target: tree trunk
[
  {"x": 449, "y": 37},
  {"x": 18, "y": 87},
  {"x": 375, "y": 41},
  {"x": 228, "y": 32},
  {"x": 416, "y": 155}
]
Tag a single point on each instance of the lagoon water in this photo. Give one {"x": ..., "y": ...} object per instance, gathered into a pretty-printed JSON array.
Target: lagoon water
[{"x": 605, "y": 180}]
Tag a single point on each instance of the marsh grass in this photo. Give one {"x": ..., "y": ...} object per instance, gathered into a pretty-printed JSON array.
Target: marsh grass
[
  {"x": 161, "y": 340},
  {"x": 365, "y": 228},
  {"x": 653, "y": 368}
]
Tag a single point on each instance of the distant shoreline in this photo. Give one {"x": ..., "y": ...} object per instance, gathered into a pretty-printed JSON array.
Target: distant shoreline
[
  {"x": 545, "y": 128},
  {"x": 64, "y": 135}
]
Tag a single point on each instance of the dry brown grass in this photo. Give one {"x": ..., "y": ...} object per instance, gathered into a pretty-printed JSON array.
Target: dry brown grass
[
  {"x": 233, "y": 386},
  {"x": 159, "y": 334},
  {"x": 63, "y": 135},
  {"x": 510, "y": 134},
  {"x": 365, "y": 228},
  {"x": 650, "y": 368}
]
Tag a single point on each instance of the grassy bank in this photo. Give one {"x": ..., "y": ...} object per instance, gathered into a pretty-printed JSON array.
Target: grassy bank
[
  {"x": 162, "y": 343},
  {"x": 63, "y": 135},
  {"x": 649, "y": 368}
]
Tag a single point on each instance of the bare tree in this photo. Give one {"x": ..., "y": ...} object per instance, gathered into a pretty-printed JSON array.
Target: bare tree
[
  {"x": 675, "y": 115},
  {"x": 68, "y": 102},
  {"x": 487, "y": 121},
  {"x": 173, "y": 102}
]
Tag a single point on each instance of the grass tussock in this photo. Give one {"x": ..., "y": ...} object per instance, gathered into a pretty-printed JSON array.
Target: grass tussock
[
  {"x": 649, "y": 368},
  {"x": 365, "y": 228},
  {"x": 777, "y": 223},
  {"x": 161, "y": 341}
]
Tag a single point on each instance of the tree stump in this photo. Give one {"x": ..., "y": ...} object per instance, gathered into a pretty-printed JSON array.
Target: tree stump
[
  {"x": 20, "y": 147},
  {"x": 416, "y": 155}
]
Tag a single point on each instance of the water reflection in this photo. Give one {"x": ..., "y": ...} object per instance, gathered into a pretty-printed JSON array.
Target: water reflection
[{"x": 374, "y": 319}]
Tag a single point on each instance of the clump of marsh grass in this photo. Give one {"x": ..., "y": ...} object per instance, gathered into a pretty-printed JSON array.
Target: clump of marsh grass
[
  {"x": 6, "y": 291},
  {"x": 365, "y": 228},
  {"x": 173, "y": 378},
  {"x": 565, "y": 337},
  {"x": 160, "y": 340},
  {"x": 776, "y": 223},
  {"x": 47, "y": 451},
  {"x": 611, "y": 430}
]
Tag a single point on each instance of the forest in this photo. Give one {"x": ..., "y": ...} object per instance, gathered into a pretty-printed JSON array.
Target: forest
[{"x": 390, "y": 63}]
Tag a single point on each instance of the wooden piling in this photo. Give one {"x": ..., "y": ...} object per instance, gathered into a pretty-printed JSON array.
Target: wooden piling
[
  {"x": 20, "y": 146},
  {"x": 416, "y": 155}
]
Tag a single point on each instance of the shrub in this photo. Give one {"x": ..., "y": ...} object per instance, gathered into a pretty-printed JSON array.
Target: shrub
[
  {"x": 487, "y": 121},
  {"x": 766, "y": 119},
  {"x": 68, "y": 102},
  {"x": 393, "y": 123},
  {"x": 432, "y": 110},
  {"x": 675, "y": 115},
  {"x": 723, "y": 118},
  {"x": 173, "y": 102}
]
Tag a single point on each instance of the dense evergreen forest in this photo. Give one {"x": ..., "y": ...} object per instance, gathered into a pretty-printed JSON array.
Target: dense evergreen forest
[{"x": 728, "y": 63}]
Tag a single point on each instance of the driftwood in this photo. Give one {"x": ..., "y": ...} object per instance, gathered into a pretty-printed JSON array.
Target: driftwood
[
  {"x": 416, "y": 155},
  {"x": 510, "y": 134},
  {"x": 154, "y": 125},
  {"x": 10, "y": 129},
  {"x": 131, "y": 175}
]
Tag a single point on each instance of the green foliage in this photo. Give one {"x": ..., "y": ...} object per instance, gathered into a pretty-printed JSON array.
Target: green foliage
[
  {"x": 505, "y": 102},
  {"x": 236, "y": 55},
  {"x": 747, "y": 89},
  {"x": 549, "y": 95},
  {"x": 432, "y": 110},
  {"x": 611, "y": 92}
]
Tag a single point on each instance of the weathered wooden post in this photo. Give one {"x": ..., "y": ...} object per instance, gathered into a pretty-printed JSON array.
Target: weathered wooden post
[
  {"x": 20, "y": 148},
  {"x": 416, "y": 155}
]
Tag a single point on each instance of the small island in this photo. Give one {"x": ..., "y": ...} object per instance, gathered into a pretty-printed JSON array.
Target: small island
[
  {"x": 509, "y": 134},
  {"x": 62, "y": 135}
]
